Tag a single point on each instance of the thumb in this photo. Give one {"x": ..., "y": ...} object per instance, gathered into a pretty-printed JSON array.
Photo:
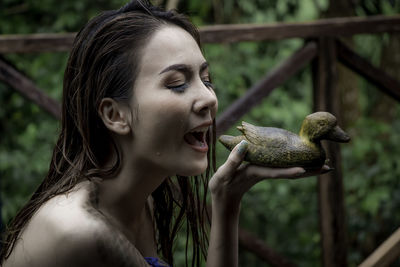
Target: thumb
[{"x": 234, "y": 160}]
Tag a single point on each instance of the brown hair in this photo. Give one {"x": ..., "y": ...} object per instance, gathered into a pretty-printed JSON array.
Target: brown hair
[{"x": 104, "y": 63}]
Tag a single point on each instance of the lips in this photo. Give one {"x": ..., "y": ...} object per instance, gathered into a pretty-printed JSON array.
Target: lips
[{"x": 196, "y": 138}]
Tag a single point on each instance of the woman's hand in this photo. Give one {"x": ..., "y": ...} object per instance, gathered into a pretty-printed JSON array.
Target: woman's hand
[
  {"x": 233, "y": 178},
  {"x": 227, "y": 188}
]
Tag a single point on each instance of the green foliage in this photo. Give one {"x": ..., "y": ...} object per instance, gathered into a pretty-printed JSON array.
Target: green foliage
[
  {"x": 283, "y": 213},
  {"x": 372, "y": 185},
  {"x": 25, "y": 149}
]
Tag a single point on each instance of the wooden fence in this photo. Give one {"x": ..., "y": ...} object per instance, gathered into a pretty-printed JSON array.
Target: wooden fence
[{"x": 323, "y": 50}]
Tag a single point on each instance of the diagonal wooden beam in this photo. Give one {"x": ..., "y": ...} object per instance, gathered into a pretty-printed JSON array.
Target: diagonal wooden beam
[
  {"x": 386, "y": 253},
  {"x": 23, "y": 85},
  {"x": 225, "y": 33},
  {"x": 376, "y": 76},
  {"x": 274, "y": 79}
]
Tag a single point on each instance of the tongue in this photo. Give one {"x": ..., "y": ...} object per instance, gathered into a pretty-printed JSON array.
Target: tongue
[{"x": 192, "y": 140}]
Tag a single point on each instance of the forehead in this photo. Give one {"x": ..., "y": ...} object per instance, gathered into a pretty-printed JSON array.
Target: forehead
[{"x": 170, "y": 45}]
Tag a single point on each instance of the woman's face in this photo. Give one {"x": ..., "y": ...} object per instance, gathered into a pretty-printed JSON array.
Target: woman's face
[{"x": 174, "y": 104}]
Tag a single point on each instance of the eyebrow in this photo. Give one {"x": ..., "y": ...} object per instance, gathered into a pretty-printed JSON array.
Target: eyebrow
[{"x": 186, "y": 69}]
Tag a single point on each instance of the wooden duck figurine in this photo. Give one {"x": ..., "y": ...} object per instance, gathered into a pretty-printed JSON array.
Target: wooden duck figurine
[{"x": 274, "y": 147}]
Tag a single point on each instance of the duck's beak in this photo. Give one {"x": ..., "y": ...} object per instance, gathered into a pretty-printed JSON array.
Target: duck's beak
[{"x": 338, "y": 135}]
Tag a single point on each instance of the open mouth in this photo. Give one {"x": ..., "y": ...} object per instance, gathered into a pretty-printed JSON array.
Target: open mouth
[{"x": 197, "y": 140}]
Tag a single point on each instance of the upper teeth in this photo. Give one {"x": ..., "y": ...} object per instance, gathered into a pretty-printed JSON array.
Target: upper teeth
[{"x": 200, "y": 129}]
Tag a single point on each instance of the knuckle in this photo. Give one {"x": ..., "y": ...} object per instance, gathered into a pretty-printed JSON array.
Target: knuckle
[
  {"x": 278, "y": 174},
  {"x": 220, "y": 171},
  {"x": 234, "y": 159},
  {"x": 231, "y": 164}
]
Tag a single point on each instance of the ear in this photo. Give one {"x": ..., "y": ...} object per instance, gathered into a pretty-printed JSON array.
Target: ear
[{"x": 115, "y": 116}]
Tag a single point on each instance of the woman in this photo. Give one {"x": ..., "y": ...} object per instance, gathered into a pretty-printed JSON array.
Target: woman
[{"x": 138, "y": 109}]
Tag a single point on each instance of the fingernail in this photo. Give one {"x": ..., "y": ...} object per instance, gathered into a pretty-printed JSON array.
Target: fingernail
[{"x": 242, "y": 148}]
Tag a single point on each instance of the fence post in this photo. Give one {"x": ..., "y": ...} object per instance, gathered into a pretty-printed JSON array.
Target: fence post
[{"x": 330, "y": 185}]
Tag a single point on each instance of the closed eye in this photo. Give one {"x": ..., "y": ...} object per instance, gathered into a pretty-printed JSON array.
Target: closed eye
[
  {"x": 207, "y": 81},
  {"x": 177, "y": 82},
  {"x": 209, "y": 84},
  {"x": 177, "y": 88}
]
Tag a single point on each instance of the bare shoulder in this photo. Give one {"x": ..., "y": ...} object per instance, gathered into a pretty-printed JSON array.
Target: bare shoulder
[{"x": 64, "y": 233}]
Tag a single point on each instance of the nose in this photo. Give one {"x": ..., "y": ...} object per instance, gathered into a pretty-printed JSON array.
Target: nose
[{"x": 206, "y": 101}]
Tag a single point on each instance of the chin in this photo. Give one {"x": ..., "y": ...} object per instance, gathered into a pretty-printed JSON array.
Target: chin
[{"x": 194, "y": 170}]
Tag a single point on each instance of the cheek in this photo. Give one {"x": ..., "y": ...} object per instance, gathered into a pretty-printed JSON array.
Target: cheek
[
  {"x": 170, "y": 116},
  {"x": 215, "y": 108},
  {"x": 163, "y": 121},
  {"x": 170, "y": 111}
]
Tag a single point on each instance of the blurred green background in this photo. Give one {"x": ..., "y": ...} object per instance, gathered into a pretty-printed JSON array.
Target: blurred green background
[{"x": 282, "y": 213}]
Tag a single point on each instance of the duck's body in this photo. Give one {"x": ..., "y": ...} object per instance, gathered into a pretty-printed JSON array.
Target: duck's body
[
  {"x": 274, "y": 147},
  {"x": 278, "y": 148}
]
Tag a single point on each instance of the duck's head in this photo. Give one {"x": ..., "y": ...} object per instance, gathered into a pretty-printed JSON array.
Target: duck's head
[{"x": 322, "y": 125}]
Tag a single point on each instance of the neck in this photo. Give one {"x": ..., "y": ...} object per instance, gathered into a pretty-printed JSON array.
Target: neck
[
  {"x": 124, "y": 196},
  {"x": 303, "y": 132}
]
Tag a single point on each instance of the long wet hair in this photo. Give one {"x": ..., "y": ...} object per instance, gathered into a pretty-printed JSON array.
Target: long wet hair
[{"x": 104, "y": 62}]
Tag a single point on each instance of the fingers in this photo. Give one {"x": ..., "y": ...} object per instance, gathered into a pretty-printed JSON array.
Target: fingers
[
  {"x": 234, "y": 160},
  {"x": 324, "y": 169},
  {"x": 261, "y": 173}
]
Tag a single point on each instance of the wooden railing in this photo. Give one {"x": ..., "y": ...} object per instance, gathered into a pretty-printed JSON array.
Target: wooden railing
[
  {"x": 225, "y": 33},
  {"x": 323, "y": 50}
]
